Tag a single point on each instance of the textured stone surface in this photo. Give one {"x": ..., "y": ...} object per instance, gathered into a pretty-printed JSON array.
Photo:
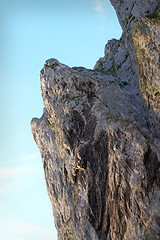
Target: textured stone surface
[
  {"x": 129, "y": 11},
  {"x": 146, "y": 39},
  {"x": 99, "y": 135}
]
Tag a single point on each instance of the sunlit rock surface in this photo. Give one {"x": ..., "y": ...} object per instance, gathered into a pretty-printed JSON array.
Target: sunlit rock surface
[{"x": 99, "y": 135}]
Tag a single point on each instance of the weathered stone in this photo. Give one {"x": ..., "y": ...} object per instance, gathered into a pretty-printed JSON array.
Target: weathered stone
[
  {"x": 131, "y": 11},
  {"x": 99, "y": 135},
  {"x": 146, "y": 39}
]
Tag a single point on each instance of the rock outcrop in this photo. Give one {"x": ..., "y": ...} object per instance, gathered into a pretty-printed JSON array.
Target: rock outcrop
[{"x": 99, "y": 135}]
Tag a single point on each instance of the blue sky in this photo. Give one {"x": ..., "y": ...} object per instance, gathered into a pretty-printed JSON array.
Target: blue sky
[{"x": 74, "y": 32}]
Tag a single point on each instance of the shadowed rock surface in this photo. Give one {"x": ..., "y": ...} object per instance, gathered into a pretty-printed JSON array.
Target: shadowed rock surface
[{"x": 99, "y": 135}]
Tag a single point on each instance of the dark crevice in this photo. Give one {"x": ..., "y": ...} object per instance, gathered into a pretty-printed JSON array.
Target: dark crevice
[
  {"x": 97, "y": 156},
  {"x": 152, "y": 166}
]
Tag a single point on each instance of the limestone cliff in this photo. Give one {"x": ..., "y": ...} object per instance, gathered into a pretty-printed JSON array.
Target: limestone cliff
[{"x": 99, "y": 135}]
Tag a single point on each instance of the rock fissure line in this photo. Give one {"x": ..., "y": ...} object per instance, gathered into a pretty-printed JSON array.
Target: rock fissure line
[{"x": 99, "y": 135}]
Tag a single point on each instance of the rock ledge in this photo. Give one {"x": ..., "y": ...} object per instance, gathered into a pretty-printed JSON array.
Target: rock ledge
[{"x": 99, "y": 135}]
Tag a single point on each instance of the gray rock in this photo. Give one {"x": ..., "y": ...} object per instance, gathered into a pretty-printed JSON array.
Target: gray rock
[
  {"x": 129, "y": 11},
  {"x": 99, "y": 135}
]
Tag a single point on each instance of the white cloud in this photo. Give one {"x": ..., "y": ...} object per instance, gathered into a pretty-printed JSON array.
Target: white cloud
[
  {"x": 6, "y": 188},
  {"x": 14, "y": 172},
  {"x": 6, "y": 156},
  {"x": 100, "y": 6},
  {"x": 29, "y": 157},
  {"x": 13, "y": 177},
  {"x": 10, "y": 178},
  {"x": 24, "y": 230},
  {"x": 11, "y": 172}
]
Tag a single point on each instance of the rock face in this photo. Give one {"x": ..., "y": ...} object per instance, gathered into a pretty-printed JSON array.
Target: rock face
[{"x": 99, "y": 135}]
